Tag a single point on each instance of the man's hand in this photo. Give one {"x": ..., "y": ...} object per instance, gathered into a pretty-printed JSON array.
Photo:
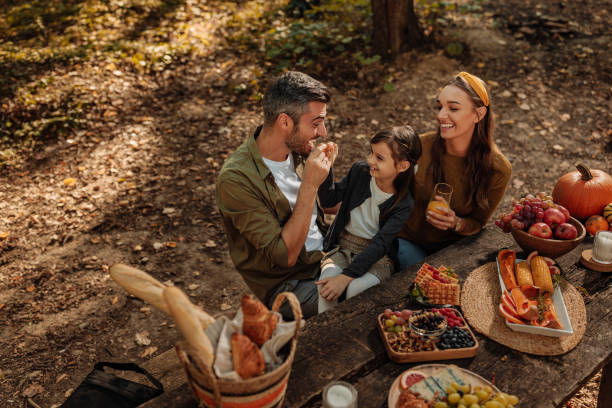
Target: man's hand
[
  {"x": 332, "y": 288},
  {"x": 317, "y": 165}
]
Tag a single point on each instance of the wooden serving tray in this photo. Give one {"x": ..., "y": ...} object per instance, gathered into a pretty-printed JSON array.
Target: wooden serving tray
[{"x": 433, "y": 355}]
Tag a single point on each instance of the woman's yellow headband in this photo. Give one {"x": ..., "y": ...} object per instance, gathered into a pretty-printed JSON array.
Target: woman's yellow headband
[{"x": 477, "y": 86}]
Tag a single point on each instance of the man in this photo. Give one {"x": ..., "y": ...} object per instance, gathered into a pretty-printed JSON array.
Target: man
[{"x": 267, "y": 191}]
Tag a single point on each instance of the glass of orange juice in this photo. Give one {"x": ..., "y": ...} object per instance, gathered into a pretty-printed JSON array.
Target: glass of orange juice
[{"x": 440, "y": 197}]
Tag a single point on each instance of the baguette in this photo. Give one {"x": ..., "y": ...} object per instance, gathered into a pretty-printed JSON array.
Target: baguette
[
  {"x": 145, "y": 287},
  {"x": 183, "y": 312}
]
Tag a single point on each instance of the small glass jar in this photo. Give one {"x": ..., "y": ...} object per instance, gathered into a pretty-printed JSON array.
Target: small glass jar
[
  {"x": 602, "y": 247},
  {"x": 339, "y": 394},
  {"x": 417, "y": 326}
]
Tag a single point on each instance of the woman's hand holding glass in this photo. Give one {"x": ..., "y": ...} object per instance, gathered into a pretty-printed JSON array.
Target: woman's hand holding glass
[{"x": 440, "y": 215}]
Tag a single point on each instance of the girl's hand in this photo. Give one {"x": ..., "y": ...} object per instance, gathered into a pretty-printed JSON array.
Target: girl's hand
[
  {"x": 332, "y": 288},
  {"x": 443, "y": 218}
]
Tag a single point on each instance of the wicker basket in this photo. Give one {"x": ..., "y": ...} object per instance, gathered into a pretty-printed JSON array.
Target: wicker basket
[
  {"x": 267, "y": 390},
  {"x": 552, "y": 248}
]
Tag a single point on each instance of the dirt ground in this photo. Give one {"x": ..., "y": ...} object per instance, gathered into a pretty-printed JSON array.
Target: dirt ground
[{"x": 137, "y": 185}]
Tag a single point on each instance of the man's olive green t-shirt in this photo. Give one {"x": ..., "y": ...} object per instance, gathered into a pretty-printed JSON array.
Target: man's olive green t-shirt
[{"x": 254, "y": 211}]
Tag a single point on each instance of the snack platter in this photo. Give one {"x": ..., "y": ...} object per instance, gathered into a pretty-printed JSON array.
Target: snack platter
[
  {"x": 559, "y": 305},
  {"x": 407, "y": 347},
  {"x": 428, "y": 369}
]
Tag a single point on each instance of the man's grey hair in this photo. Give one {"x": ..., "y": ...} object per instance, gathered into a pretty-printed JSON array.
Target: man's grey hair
[{"x": 290, "y": 93}]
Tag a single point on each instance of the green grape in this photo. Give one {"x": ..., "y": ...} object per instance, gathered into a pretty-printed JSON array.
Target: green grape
[
  {"x": 501, "y": 398},
  {"x": 470, "y": 399},
  {"x": 461, "y": 406},
  {"x": 482, "y": 395},
  {"x": 465, "y": 388},
  {"x": 454, "y": 398},
  {"x": 488, "y": 389},
  {"x": 390, "y": 329},
  {"x": 455, "y": 385},
  {"x": 476, "y": 388},
  {"x": 450, "y": 390},
  {"x": 513, "y": 399},
  {"x": 389, "y": 323},
  {"x": 462, "y": 402},
  {"x": 493, "y": 404},
  {"x": 509, "y": 406},
  {"x": 399, "y": 329},
  {"x": 474, "y": 405},
  {"x": 441, "y": 404}
]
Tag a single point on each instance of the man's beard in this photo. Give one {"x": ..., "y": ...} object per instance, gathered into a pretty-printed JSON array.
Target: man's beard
[{"x": 296, "y": 144}]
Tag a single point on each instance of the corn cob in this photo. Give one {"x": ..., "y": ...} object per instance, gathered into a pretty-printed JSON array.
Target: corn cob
[
  {"x": 541, "y": 274},
  {"x": 523, "y": 274}
]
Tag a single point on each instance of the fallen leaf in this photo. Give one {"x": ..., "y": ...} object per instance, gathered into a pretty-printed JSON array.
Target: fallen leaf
[
  {"x": 4, "y": 235},
  {"x": 565, "y": 117},
  {"x": 69, "y": 181},
  {"x": 32, "y": 390},
  {"x": 157, "y": 245},
  {"x": 95, "y": 240},
  {"x": 30, "y": 288},
  {"x": 148, "y": 351},
  {"x": 225, "y": 306},
  {"x": 68, "y": 392},
  {"x": 524, "y": 106},
  {"x": 137, "y": 248},
  {"x": 142, "y": 339},
  {"x": 171, "y": 244},
  {"x": 210, "y": 244},
  {"x": 145, "y": 309},
  {"x": 193, "y": 286},
  {"x": 558, "y": 147},
  {"x": 61, "y": 377},
  {"x": 114, "y": 300},
  {"x": 2, "y": 306}
]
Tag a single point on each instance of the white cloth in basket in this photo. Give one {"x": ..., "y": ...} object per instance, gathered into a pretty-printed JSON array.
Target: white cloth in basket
[{"x": 220, "y": 334}]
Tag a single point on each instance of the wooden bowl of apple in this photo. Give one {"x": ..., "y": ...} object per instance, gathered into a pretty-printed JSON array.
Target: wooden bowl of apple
[{"x": 551, "y": 240}]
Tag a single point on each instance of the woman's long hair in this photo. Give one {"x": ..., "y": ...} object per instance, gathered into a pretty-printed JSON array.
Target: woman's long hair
[
  {"x": 480, "y": 152},
  {"x": 405, "y": 144}
]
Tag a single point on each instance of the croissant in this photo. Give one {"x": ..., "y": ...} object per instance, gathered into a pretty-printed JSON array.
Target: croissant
[
  {"x": 258, "y": 322},
  {"x": 247, "y": 357}
]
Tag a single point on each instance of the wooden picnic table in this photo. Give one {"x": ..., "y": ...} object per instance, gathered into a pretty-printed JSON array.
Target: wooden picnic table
[{"x": 344, "y": 343}]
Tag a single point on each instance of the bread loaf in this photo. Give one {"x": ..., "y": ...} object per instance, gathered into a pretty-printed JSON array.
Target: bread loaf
[
  {"x": 258, "y": 322},
  {"x": 145, "y": 287},
  {"x": 183, "y": 313},
  {"x": 247, "y": 357}
]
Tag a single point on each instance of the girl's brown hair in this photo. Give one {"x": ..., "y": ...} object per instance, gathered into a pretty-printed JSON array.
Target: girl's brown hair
[
  {"x": 405, "y": 144},
  {"x": 479, "y": 155}
]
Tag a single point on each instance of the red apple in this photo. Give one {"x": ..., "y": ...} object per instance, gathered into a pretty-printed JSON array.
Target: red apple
[
  {"x": 564, "y": 210},
  {"x": 553, "y": 217},
  {"x": 565, "y": 231},
  {"x": 540, "y": 229}
]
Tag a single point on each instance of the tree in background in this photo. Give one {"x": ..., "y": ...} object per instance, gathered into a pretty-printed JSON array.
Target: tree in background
[{"x": 395, "y": 27}]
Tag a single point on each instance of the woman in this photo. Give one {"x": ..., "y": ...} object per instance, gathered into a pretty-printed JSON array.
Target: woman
[{"x": 463, "y": 154}]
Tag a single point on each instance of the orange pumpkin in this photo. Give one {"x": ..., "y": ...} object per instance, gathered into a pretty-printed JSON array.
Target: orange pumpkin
[
  {"x": 596, "y": 223},
  {"x": 584, "y": 192}
]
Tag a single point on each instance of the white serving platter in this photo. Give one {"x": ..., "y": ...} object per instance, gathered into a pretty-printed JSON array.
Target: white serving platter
[{"x": 560, "y": 309}]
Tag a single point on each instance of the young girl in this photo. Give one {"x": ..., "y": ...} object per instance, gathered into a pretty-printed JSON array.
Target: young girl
[{"x": 376, "y": 202}]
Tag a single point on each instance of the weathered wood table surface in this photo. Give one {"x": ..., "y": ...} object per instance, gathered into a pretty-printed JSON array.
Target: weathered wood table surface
[{"x": 344, "y": 344}]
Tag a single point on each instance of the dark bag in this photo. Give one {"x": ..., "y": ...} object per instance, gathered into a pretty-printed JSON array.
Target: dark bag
[{"x": 104, "y": 390}]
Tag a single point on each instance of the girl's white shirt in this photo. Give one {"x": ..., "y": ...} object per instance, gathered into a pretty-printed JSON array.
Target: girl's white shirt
[{"x": 364, "y": 219}]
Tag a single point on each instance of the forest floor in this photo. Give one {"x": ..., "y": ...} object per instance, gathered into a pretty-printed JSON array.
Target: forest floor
[{"x": 135, "y": 182}]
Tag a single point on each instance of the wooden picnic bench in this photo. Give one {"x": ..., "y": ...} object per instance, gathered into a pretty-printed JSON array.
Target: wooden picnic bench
[{"x": 344, "y": 344}]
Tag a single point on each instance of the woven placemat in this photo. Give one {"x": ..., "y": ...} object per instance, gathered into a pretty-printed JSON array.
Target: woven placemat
[{"x": 480, "y": 298}]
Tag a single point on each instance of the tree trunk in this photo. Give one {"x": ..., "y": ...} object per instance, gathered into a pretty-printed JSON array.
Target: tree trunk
[{"x": 396, "y": 26}]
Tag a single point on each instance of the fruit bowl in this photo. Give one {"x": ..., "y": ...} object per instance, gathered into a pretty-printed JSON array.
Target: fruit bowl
[{"x": 551, "y": 248}]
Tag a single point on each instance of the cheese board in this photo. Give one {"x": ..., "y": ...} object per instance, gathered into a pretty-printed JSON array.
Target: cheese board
[{"x": 429, "y": 369}]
